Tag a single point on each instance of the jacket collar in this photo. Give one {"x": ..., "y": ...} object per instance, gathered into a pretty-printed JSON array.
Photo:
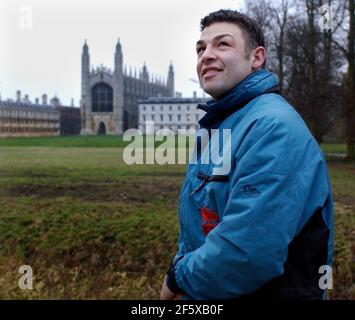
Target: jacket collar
[{"x": 254, "y": 85}]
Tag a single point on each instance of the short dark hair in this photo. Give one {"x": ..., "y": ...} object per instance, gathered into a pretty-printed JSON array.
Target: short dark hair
[{"x": 253, "y": 35}]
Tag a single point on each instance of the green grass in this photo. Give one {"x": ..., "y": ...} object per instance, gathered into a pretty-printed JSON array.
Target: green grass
[
  {"x": 343, "y": 184},
  {"x": 342, "y": 177},
  {"x": 108, "y": 141},
  {"x": 104, "y": 141},
  {"x": 65, "y": 141},
  {"x": 93, "y": 227},
  {"x": 343, "y": 266},
  {"x": 89, "y": 225},
  {"x": 334, "y": 147}
]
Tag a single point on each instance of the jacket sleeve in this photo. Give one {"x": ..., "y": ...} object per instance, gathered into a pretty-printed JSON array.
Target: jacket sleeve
[
  {"x": 181, "y": 249},
  {"x": 263, "y": 212}
]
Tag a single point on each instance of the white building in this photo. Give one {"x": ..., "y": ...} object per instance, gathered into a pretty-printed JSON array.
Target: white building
[{"x": 170, "y": 113}]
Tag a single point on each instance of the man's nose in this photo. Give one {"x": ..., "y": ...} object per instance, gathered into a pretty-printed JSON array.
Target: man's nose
[{"x": 208, "y": 55}]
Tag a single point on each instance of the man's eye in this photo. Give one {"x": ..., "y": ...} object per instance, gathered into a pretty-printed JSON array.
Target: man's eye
[
  {"x": 223, "y": 44},
  {"x": 199, "y": 50}
]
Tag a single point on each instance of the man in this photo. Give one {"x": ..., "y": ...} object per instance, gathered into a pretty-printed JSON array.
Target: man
[{"x": 264, "y": 229}]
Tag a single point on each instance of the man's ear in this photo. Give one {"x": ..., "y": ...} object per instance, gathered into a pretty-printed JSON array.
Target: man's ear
[{"x": 258, "y": 56}]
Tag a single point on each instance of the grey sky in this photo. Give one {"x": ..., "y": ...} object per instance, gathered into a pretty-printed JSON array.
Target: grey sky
[{"x": 46, "y": 58}]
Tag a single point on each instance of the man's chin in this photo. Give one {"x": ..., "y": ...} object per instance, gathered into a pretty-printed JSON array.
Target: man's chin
[{"x": 214, "y": 92}]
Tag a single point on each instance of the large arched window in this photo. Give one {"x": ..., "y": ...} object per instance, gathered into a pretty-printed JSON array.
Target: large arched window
[{"x": 102, "y": 98}]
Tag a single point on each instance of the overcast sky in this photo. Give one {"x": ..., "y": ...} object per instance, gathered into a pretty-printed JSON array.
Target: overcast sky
[{"x": 42, "y": 54}]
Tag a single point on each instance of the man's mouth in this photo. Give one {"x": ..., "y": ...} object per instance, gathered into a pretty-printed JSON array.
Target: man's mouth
[{"x": 210, "y": 71}]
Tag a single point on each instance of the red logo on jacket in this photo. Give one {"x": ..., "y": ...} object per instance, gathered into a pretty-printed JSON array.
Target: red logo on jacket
[{"x": 209, "y": 220}]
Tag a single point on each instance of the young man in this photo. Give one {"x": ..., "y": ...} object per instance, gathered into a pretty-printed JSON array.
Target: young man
[{"x": 263, "y": 229}]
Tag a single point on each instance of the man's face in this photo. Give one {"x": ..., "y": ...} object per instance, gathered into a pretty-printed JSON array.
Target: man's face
[{"x": 221, "y": 58}]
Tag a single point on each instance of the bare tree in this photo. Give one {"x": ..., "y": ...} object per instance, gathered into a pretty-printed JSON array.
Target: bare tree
[
  {"x": 305, "y": 56},
  {"x": 272, "y": 17},
  {"x": 345, "y": 44},
  {"x": 350, "y": 84},
  {"x": 281, "y": 17}
]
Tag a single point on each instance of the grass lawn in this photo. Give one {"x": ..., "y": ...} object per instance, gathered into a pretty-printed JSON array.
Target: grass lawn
[
  {"x": 93, "y": 227},
  {"x": 334, "y": 147},
  {"x": 108, "y": 141},
  {"x": 89, "y": 225}
]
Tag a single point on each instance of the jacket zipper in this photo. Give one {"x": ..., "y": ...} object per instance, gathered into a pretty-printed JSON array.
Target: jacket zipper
[
  {"x": 205, "y": 178},
  {"x": 200, "y": 186}
]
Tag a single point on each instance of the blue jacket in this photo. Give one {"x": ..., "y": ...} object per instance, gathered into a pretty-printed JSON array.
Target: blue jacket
[{"x": 264, "y": 227}]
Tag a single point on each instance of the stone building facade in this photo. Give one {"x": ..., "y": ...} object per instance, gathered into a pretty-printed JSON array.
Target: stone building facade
[
  {"x": 19, "y": 119},
  {"x": 109, "y": 99},
  {"x": 23, "y": 118}
]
